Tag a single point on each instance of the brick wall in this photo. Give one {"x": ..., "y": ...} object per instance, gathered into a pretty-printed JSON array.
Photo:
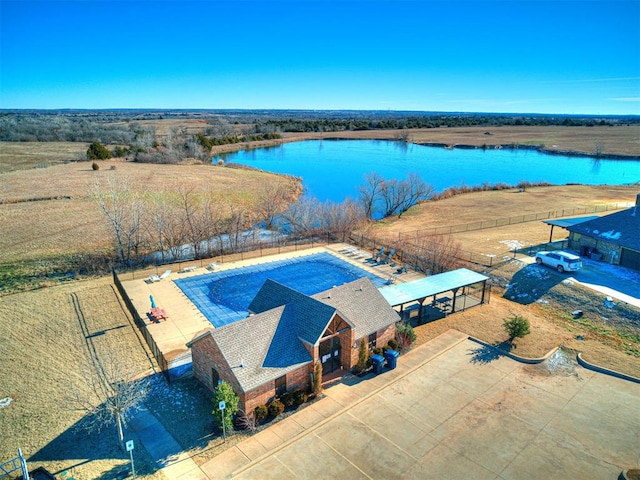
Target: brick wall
[
  {"x": 262, "y": 395},
  {"x": 382, "y": 337}
]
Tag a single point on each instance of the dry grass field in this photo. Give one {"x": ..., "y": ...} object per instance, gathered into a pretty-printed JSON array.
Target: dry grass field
[
  {"x": 25, "y": 155},
  {"x": 45, "y": 347},
  {"x": 48, "y": 214},
  {"x": 49, "y": 333}
]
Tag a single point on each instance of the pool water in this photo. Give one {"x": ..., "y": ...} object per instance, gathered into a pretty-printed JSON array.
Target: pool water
[{"x": 224, "y": 297}]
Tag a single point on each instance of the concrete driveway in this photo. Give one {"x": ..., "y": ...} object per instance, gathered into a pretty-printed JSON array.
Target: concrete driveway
[
  {"x": 620, "y": 283},
  {"x": 453, "y": 409}
]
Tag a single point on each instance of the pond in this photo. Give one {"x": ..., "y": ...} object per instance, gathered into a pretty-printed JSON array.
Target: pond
[{"x": 334, "y": 169}]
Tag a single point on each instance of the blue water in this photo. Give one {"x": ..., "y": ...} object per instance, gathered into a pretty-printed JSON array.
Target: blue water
[
  {"x": 333, "y": 169},
  {"x": 224, "y": 297}
]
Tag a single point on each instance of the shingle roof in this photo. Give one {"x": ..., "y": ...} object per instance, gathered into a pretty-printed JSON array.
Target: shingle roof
[
  {"x": 258, "y": 348},
  {"x": 308, "y": 317},
  {"x": 362, "y": 304},
  {"x": 620, "y": 228},
  {"x": 267, "y": 345}
]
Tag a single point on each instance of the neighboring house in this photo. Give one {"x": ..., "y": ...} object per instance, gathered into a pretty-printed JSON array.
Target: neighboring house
[
  {"x": 616, "y": 237},
  {"x": 274, "y": 349}
]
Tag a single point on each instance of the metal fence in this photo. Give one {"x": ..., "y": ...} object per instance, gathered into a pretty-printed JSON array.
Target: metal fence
[{"x": 501, "y": 222}]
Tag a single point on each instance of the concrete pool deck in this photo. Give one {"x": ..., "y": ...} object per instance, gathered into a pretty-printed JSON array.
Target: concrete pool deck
[
  {"x": 185, "y": 321},
  {"x": 452, "y": 409}
]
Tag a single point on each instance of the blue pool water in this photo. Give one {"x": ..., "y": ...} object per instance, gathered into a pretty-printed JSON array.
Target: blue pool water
[{"x": 224, "y": 297}]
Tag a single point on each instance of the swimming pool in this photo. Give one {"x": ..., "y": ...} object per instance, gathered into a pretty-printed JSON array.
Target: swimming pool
[{"x": 223, "y": 297}]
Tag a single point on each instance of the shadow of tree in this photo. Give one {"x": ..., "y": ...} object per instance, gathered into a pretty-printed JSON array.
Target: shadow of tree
[
  {"x": 82, "y": 443},
  {"x": 488, "y": 353}
]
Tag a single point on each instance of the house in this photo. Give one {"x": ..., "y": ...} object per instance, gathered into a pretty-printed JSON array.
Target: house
[
  {"x": 616, "y": 237},
  {"x": 274, "y": 349}
]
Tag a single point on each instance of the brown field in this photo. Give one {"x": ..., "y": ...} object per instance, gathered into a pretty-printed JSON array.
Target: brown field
[
  {"x": 37, "y": 229},
  {"x": 25, "y": 155},
  {"x": 43, "y": 346}
]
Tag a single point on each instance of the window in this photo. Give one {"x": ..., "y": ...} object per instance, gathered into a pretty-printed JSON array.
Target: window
[
  {"x": 372, "y": 340},
  {"x": 281, "y": 386},
  {"x": 215, "y": 377}
]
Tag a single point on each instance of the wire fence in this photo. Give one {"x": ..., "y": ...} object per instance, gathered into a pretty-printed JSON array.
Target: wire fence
[{"x": 501, "y": 222}]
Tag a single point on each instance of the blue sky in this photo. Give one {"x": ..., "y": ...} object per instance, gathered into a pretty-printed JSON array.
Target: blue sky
[{"x": 572, "y": 57}]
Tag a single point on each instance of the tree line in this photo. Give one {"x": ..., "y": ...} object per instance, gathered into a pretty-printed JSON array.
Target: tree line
[{"x": 184, "y": 223}]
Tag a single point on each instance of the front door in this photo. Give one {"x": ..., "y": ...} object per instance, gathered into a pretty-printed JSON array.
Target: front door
[{"x": 330, "y": 354}]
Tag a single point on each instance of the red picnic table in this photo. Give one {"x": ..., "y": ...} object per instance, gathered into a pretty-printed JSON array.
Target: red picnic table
[{"x": 158, "y": 314}]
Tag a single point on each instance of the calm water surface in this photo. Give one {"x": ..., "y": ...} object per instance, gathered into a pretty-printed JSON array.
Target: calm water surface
[{"x": 333, "y": 169}]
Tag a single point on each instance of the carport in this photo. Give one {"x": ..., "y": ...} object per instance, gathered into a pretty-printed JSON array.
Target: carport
[
  {"x": 566, "y": 223},
  {"x": 449, "y": 292}
]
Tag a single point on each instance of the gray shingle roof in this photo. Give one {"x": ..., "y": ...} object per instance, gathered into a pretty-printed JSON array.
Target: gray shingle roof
[
  {"x": 362, "y": 305},
  {"x": 309, "y": 317},
  {"x": 267, "y": 345},
  {"x": 620, "y": 228},
  {"x": 258, "y": 348}
]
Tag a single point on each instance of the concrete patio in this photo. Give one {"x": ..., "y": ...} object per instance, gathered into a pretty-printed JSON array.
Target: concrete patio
[{"x": 452, "y": 409}]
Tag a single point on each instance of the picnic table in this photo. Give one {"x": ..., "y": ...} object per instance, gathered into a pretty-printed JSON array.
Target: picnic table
[{"x": 158, "y": 314}]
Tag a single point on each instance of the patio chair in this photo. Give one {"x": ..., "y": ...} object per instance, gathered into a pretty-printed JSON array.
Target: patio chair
[
  {"x": 165, "y": 274},
  {"x": 377, "y": 256},
  {"x": 154, "y": 278}
]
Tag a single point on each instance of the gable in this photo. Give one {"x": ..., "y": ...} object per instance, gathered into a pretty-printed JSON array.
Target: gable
[{"x": 362, "y": 305}]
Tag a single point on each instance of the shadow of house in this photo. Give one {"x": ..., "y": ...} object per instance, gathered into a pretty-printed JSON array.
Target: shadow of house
[{"x": 274, "y": 350}]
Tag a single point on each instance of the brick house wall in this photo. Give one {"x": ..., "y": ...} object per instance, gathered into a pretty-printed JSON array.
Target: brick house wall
[
  {"x": 297, "y": 380},
  {"x": 382, "y": 337}
]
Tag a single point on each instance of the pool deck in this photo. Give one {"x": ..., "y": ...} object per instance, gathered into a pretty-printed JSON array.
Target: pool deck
[{"x": 185, "y": 322}]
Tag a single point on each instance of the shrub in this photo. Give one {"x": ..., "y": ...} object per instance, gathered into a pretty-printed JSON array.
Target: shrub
[
  {"x": 95, "y": 166},
  {"x": 224, "y": 393},
  {"x": 287, "y": 399},
  {"x": 317, "y": 379},
  {"x": 378, "y": 351},
  {"x": 300, "y": 397},
  {"x": 245, "y": 422},
  {"x": 97, "y": 151},
  {"x": 516, "y": 327},
  {"x": 405, "y": 335},
  {"x": 276, "y": 408},
  {"x": 363, "y": 357},
  {"x": 392, "y": 344},
  {"x": 260, "y": 412}
]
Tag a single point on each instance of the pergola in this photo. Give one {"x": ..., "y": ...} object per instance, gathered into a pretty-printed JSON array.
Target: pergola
[
  {"x": 566, "y": 222},
  {"x": 456, "y": 282}
]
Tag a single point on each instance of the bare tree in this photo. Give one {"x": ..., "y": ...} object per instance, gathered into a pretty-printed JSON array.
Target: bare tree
[
  {"x": 272, "y": 201},
  {"x": 435, "y": 253},
  {"x": 370, "y": 193},
  {"x": 123, "y": 208}
]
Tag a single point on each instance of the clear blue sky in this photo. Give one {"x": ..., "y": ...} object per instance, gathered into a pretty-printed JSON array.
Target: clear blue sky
[{"x": 573, "y": 57}]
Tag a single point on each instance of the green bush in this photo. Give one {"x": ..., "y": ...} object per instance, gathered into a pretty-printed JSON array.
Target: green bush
[
  {"x": 224, "y": 393},
  {"x": 287, "y": 399},
  {"x": 317, "y": 379},
  {"x": 97, "y": 151},
  {"x": 405, "y": 336},
  {"x": 95, "y": 166},
  {"x": 392, "y": 344},
  {"x": 300, "y": 397},
  {"x": 260, "y": 412},
  {"x": 276, "y": 408},
  {"x": 363, "y": 357},
  {"x": 516, "y": 327}
]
